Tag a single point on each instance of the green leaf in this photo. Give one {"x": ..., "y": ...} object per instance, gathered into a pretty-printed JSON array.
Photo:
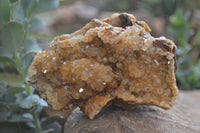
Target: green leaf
[
  {"x": 18, "y": 13},
  {"x": 197, "y": 40},
  {"x": 4, "y": 112},
  {"x": 11, "y": 80},
  {"x": 5, "y": 59},
  {"x": 31, "y": 101},
  {"x": 28, "y": 116},
  {"x": 37, "y": 1},
  {"x": 26, "y": 27},
  {"x": 27, "y": 6},
  {"x": 30, "y": 124},
  {"x": 12, "y": 92},
  {"x": 12, "y": 36},
  {"x": 38, "y": 110},
  {"x": 7, "y": 62},
  {"x": 45, "y": 5},
  {"x": 2, "y": 89},
  {"x": 27, "y": 60},
  {"x": 52, "y": 128},
  {"x": 13, "y": 1},
  {"x": 31, "y": 45},
  {"x": 36, "y": 24},
  {"x": 4, "y": 52},
  {"x": 14, "y": 107},
  {"x": 20, "y": 97},
  {"x": 18, "y": 118},
  {"x": 4, "y": 12},
  {"x": 51, "y": 120}
]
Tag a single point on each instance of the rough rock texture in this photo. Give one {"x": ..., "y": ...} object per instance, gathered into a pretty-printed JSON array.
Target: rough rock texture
[
  {"x": 183, "y": 117},
  {"x": 114, "y": 60}
]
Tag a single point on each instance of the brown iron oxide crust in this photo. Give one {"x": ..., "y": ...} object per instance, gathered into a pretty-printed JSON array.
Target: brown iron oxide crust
[{"x": 114, "y": 60}]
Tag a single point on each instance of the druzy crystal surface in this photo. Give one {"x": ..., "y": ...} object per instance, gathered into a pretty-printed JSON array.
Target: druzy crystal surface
[{"x": 109, "y": 61}]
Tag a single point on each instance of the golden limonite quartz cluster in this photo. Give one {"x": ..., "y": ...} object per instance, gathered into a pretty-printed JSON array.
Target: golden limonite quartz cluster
[{"x": 109, "y": 61}]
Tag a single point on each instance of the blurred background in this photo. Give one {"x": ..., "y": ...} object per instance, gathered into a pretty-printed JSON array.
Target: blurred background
[
  {"x": 178, "y": 20},
  {"x": 27, "y": 26}
]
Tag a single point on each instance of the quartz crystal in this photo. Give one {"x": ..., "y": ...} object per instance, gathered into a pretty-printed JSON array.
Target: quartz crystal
[{"x": 109, "y": 61}]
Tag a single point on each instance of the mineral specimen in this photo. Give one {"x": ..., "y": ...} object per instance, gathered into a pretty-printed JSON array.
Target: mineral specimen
[{"x": 110, "y": 61}]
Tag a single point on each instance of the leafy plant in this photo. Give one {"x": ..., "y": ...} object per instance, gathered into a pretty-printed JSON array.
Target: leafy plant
[
  {"x": 177, "y": 14},
  {"x": 188, "y": 52},
  {"x": 166, "y": 8},
  {"x": 20, "y": 106},
  {"x": 180, "y": 27}
]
